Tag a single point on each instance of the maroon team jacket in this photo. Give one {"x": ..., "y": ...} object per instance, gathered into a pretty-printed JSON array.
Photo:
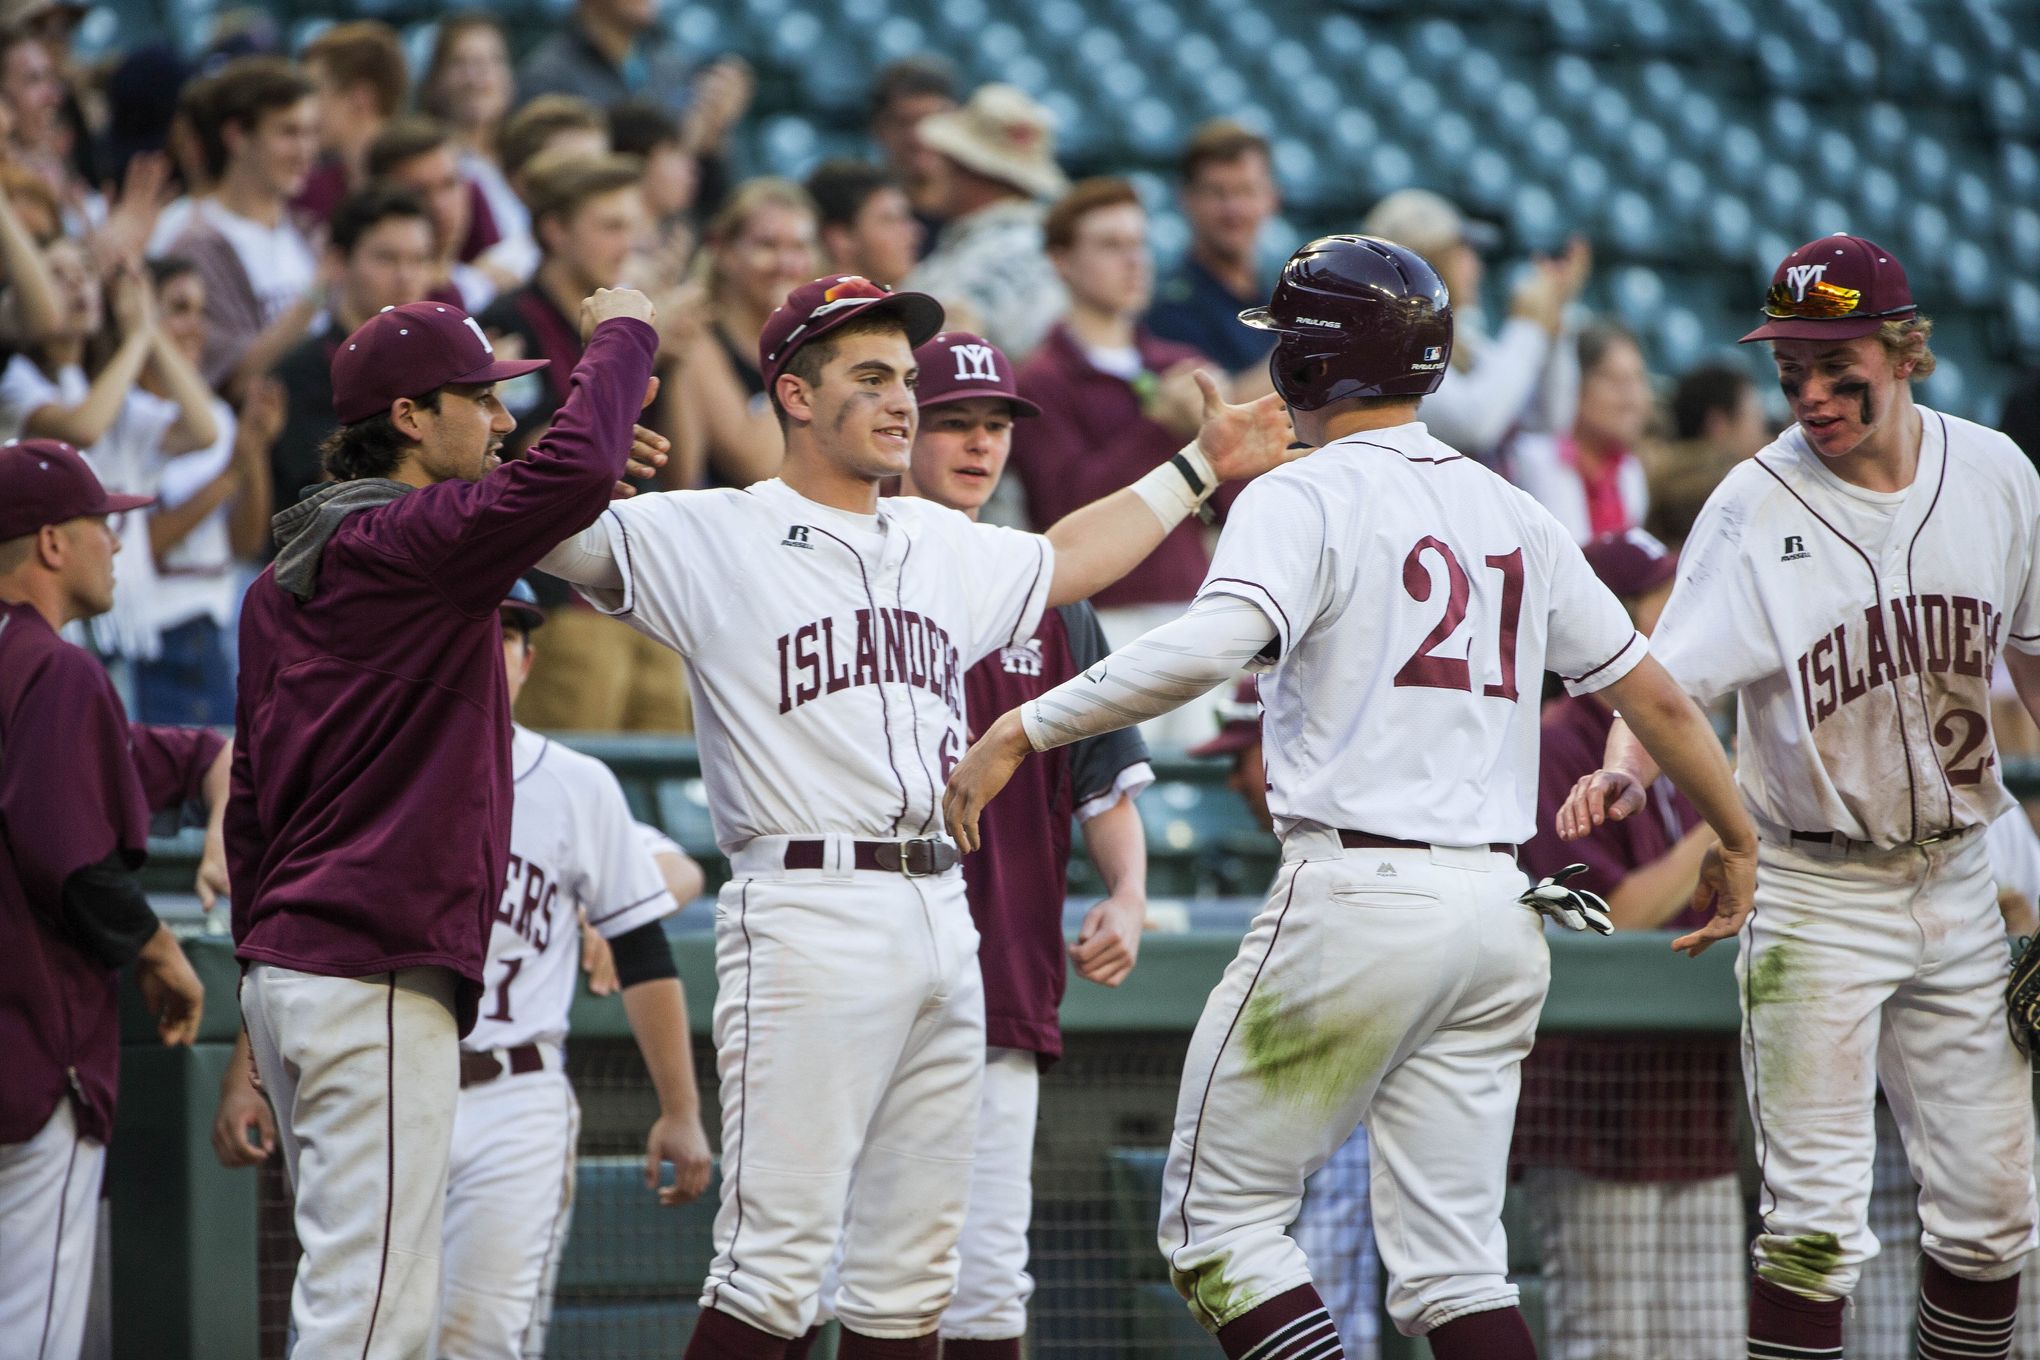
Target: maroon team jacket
[
  {"x": 77, "y": 783},
  {"x": 369, "y": 824}
]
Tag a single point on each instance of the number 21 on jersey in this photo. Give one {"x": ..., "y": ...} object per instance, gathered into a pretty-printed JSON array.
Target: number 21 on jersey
[{"x": 1427, "y": 667}]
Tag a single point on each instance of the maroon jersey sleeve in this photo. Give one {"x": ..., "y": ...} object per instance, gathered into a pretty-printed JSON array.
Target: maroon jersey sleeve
[
  {"x": 69, "y": 794},
  {"x": 474, "y": 539},
  {"x": 172, "y": 762}
]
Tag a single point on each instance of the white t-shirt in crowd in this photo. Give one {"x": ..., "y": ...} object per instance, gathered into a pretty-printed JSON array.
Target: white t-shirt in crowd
[
  {"x": 278, "y": 259},
  {"x": 196, "y": 577}
]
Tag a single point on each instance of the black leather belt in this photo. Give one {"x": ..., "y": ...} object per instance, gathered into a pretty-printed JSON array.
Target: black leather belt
[
  {"x": 919, "y": 858},
  {"x": 478, "y": 1067},
  {"x": 1362, "y": 840}
]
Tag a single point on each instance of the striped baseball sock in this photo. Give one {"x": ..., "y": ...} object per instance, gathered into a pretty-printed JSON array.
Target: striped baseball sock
[
  {"x": 1291, "y": 1326},
  {"x": 718, "y": 1336},
  {"x": 1491, "y": 1334},
  {"x": 1789, "y": 1326},
  {"x": 1965, "y": 1319}
]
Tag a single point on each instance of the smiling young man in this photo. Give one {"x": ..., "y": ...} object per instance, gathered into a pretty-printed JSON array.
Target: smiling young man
[
  {"x": 1017, "y": 882},
  {"x": 828, "y": 633},
  {"x": 1853, "y": 586},
  {"x": 369, "y": 824}
]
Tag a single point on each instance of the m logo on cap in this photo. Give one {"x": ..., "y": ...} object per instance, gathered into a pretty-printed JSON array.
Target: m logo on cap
[
  {"x": 1801, "y": 277},
  {"x": 974, "y": 363}
]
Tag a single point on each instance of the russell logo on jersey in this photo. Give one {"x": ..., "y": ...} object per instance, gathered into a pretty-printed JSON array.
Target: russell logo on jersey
[{"x": 1795, "y": 549}]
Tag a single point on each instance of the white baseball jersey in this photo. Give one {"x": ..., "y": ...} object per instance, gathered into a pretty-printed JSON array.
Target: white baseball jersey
[
  {"x": 1417, "y": 600},
  {"x": 826, "y": 649},
  {"x": 573, "y": 846},
  {"x": 1858, "y": 630}
]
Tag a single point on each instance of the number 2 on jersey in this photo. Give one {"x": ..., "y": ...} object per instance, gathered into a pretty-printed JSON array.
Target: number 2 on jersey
[{"x": 1426, "y": 669}]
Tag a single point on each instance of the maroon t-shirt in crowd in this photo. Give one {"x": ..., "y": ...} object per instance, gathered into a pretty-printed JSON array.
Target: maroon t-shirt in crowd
[
  {"x": 1019, "y": 877},
  {"x": 370, "y": 819},
  {"x": 1653, "y": 1108},
  {"x": 77, "y": 784},
  {"x": 1090, "y": 440}
]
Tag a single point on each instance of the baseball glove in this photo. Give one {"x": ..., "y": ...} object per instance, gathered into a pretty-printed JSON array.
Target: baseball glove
[
  {"x": 2022, "y": 995},
  {"x": 1578, "y": 909}
]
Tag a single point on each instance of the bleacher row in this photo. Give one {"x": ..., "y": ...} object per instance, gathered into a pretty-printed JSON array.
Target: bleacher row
[{"x": 1693, "y": 143}]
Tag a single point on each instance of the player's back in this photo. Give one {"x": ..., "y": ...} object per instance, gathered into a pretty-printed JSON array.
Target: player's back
[{"x": 1420, "y": 599}]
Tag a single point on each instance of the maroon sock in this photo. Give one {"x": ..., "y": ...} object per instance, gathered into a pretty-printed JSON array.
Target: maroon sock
[
  {"x": 1006, "y": 1349},
  {"x": 1491, "y": 1334},
  {"x": 854, "y": 1346},
  {"x": 798, "y": 1348},
  {"x": 718, "y": 1336},
  {"x": 1965, "y": 1319},
  {"x": 1789, "y": 1326},
  {"x": 1291, "y": 1326}
]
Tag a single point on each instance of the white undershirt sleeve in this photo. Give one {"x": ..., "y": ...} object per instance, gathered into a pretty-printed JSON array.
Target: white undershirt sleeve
[
  {"x": 586, "y": 559},
  {"x": 1160, "y": 670}
]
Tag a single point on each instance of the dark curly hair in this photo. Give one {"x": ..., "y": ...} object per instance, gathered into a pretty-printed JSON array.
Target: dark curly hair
[{"x": 370, "y": 448}]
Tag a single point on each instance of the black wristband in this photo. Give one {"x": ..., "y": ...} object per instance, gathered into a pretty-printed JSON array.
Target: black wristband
[
  {"x": 106, "y": 911},
  {"x": 1182, "y": 465}
]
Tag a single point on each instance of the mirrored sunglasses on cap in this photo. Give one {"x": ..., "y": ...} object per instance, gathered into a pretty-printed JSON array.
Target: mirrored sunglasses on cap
[{"x": 1823, "y": 302}]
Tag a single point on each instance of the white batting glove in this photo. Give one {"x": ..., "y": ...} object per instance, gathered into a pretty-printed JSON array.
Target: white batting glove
[{"x": 1573, "y": 908}]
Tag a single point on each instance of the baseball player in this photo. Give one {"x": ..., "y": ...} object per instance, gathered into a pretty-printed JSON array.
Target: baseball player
[
  {"x": 369, "y": 826},
  {"x": 828, "y": 633},
  {"x": 1409, "y": 602},
  {"x": 1017, "y": 883},
  {"x": 1853, "y": 586},
  {"x": 509, "y": 1193},
  {"x": 77, "y": 785}
]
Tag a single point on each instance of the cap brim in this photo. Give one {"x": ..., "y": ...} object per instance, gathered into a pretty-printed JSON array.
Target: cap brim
[
  {"x": 1801, "y": 328},
  {"x": 524, "y": 615},
  {"x": 500, "y": 371},
  {"x": 1480, "y": 235},
  {"x": 117, "y": 504},
  {"x": 921, "y": 314},
  {"x": 1021, "y": 406}
]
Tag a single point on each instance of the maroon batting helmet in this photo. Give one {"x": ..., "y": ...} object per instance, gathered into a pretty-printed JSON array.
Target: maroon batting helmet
[{"x": 1357, "y": 316}]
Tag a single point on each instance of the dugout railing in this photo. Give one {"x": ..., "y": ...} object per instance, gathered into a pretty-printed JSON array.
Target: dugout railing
[{"x": 200, "y": 1257}]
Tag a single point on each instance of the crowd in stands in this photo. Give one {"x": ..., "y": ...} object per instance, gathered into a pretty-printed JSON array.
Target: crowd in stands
[{"x": 186, "y": 242}]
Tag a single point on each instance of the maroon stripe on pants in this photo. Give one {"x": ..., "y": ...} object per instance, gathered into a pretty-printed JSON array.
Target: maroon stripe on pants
[{"x": 382, "y": 1269}]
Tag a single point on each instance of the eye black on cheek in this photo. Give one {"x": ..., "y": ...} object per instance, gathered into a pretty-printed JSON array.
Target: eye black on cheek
[{"x": 1791, "y": 384}]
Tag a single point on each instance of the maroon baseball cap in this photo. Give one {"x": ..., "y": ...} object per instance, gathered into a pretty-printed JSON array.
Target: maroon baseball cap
[
  {"x": 1835, "y": 288},
  {"x": 521, "y": 607},
  {"x": 956, "y": 366},
  {"x": 814, "y": 309},
  {"x": 1239, "y": 723},
  {"x": 1631, "y": 563},
  {"x": 410, "y": 350},
  {"x": 46, "y": 481}
]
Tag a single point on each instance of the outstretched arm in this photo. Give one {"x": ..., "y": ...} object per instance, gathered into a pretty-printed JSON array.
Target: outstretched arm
[
  {"x": 1100, "y": 543},
  {"x": 1159, "y": 671}
]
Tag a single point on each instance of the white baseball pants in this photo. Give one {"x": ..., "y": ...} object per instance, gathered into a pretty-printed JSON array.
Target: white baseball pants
[
  {"x": 1642, "y": 1270},
  {"x": 992, "y": 1285},
  {"x": 850, "y": 1040},
  {"x": 1397, "y": 986},
  {"x": 509, "y": 1200},
  {"x": 363, "y": 1074},
  {"x": 49, "y": 1224},
  {"x": 1885, "y": 966}
]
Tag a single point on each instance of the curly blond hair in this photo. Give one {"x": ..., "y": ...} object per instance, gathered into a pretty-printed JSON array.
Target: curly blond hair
[{"x": 1896, "y": 337}]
